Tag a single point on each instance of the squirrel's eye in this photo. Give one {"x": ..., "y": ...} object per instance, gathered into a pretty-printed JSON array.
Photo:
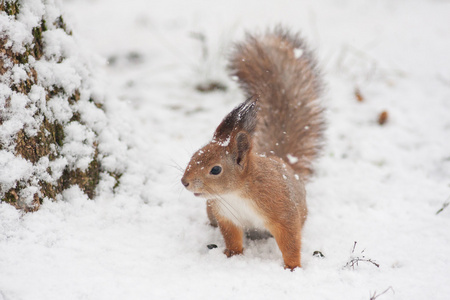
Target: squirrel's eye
[{"x": 216, "y": 170}]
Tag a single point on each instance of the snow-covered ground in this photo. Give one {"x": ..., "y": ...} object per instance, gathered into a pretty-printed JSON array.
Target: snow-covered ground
[{"x": 380, "y": 186}]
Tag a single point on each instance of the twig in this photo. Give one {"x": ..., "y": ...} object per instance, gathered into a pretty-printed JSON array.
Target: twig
[
  {"x": 354, "y": 261},
  {"x": 354, "y": 246},
  {"x": 375, "y": 296},
  {"x": 446, "y": 203},
  {"x": 443, "y": 207}
]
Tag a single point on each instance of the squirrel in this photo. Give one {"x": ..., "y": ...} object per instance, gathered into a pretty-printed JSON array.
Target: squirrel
[{"x": 253, "y": 171}]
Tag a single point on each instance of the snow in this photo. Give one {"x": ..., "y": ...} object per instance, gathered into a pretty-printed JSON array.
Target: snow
[
  {"x": 12, "y": 168},
  {"x": 378, "y": 185},
  {"x": 225, "y": 142},
  {"x": 298, "y": 53},
  {"x": 292, "y": 159},
  {"x": 78, "y": 145}
]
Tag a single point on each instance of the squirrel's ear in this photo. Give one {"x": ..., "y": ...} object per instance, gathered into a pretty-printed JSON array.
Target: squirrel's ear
[
  {"x": 242, "y": 117},
  {"x": 243, "y": 146}
]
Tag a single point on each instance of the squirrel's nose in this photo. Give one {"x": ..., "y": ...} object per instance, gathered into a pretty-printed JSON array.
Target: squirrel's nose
[{"x": 184, "y": 182}]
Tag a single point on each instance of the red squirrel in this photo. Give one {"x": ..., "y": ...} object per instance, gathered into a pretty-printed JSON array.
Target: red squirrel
[{"x": 252, "y": 173}]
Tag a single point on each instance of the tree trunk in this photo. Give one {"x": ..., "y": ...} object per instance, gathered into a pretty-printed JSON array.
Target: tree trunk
[{"x": 46, "y": 145}]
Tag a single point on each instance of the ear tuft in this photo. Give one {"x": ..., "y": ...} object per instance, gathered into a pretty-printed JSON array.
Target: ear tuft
[{"x": 241, "y": 118}]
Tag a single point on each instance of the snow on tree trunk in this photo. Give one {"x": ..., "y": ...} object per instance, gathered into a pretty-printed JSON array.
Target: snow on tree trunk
[{"x": 51, "y": 113}]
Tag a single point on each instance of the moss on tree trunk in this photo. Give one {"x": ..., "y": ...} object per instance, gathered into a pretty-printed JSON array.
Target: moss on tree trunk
[{"x": 50, "y": 137}]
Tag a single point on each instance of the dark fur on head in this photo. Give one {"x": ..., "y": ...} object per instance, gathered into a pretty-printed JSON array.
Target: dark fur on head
[{"x": 241, "y": 118}]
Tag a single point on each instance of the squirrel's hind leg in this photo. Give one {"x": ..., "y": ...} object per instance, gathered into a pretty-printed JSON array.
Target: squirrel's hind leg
[{"x": 289, "y": 242}]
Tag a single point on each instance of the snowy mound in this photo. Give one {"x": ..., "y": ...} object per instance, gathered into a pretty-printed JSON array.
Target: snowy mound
[
  {"x": 55, "y": 131},
  {"x": 386, "y": 187}
]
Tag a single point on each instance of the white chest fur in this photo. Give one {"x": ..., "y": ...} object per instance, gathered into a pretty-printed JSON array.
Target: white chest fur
[{"x": 240, "y": 211}]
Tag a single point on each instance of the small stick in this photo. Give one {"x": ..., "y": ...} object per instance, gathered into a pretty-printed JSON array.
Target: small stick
[
  {"x": 375, "y": 296},
  {"x": 443, "y": 207}
]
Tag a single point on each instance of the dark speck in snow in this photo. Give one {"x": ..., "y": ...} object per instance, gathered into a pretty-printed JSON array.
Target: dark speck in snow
[
  {"x": 318, "y": 254},
  {"x": 211, "y": 246}
]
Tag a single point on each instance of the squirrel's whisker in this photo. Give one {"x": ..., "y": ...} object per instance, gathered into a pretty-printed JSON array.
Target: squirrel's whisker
[{"x": 225, "y": 203}]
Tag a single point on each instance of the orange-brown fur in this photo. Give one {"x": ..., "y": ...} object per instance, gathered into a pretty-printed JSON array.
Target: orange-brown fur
[{"x": 264, "y": 147}]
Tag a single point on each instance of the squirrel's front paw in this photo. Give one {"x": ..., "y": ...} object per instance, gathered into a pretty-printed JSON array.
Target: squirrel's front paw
[{"x": 230, "y": 253}]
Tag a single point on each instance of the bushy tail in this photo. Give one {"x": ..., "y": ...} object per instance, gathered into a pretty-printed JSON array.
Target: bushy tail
[{"x": 280, "y": 72}]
